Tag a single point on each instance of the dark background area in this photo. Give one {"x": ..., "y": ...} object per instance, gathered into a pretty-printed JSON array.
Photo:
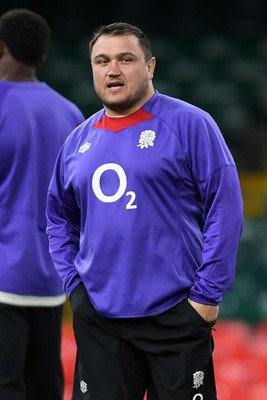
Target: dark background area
[
  {"x": 210, "y": 53},
  {"x": 76, "y": 19}
]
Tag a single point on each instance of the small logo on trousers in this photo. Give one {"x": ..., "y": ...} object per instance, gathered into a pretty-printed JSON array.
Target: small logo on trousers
[
  {"x": 83, "y": 387},
  {"x": 198, "y": 378}
]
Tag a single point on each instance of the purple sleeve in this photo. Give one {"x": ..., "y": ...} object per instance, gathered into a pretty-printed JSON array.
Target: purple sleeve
[
  {"x": 63, "y": 228},
  {"x": 222, "y": 230},
  {"x": 217, "y": 181}
]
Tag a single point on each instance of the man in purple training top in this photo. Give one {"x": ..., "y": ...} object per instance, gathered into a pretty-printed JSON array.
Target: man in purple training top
[
  {"x": 34, "y": 122},
  {"x": 144, "y": 219}
]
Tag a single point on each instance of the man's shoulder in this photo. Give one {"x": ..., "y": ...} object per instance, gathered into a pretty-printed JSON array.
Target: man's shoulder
[
  {"x": 174, "y": 111},
  {"x": 166, "y": 103}
]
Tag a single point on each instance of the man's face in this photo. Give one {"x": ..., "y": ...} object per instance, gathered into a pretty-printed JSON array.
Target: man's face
[{"x": 122, "y": 76}]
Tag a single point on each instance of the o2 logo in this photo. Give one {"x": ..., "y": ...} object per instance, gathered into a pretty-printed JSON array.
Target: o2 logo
[
  {"x": 120, "y": 190},
  {"x": 198, "y": 396}
]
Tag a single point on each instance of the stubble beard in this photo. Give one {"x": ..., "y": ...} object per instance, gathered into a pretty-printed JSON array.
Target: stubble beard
[{"x": 129, "y": 101}]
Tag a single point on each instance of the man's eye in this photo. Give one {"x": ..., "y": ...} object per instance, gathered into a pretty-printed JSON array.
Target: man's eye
[{"x": 101, "y": 61}]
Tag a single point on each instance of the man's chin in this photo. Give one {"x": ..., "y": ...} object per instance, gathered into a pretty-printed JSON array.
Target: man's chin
[{"x": 117, "y": 106}]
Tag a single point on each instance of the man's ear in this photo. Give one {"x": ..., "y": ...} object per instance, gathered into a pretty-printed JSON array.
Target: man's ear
[
  {"x": 41, "y": 61},
  {"x": 151, "y": 67},
  {"x": 2, "y": 48}
]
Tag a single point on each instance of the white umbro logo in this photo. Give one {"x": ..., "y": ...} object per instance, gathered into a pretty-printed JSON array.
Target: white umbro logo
[
  {"x": 86, "y": 146},
  {"x": 83, "y": 387}
]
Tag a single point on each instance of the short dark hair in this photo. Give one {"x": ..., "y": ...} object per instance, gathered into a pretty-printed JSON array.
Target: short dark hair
[
  {"x": 26, "y": 34},
  {"x": 122, "y": 28}
]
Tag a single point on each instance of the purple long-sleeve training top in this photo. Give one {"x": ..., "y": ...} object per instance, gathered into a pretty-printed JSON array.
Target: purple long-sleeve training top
[
  {"x": 146, "y": 210},
  {"x": 34, "y": 122}
]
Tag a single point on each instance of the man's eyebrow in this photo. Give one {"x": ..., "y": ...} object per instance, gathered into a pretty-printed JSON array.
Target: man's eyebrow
[
  {"x": 119, "y": 55},
  {"x": 101, "y": 55}
]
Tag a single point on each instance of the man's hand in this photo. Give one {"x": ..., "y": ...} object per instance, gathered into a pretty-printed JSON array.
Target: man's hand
[{"x": 208, "y": 313}]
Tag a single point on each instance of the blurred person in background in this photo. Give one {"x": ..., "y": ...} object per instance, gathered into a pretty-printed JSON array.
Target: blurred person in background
[
  {"x": 34, "y": 122},
  {"x": 145, "y": 215}
]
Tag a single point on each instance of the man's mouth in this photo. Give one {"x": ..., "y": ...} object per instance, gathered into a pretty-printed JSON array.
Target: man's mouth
[{"x": 114, "y": 84}]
